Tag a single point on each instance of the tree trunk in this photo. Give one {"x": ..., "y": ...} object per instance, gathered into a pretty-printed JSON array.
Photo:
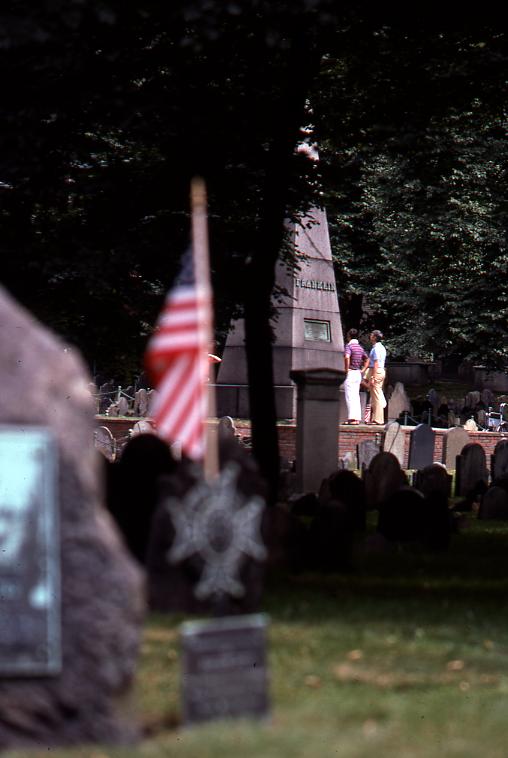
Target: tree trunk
[{"x": 303, "y": 65}]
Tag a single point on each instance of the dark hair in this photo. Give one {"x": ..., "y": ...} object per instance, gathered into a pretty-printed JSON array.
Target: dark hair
[
  {"x": 352, "y": 334},
  {"x": 377, "y": 334}
]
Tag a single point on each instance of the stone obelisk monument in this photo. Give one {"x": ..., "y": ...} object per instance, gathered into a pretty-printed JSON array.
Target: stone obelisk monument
[{"x": 308, "y": 329}]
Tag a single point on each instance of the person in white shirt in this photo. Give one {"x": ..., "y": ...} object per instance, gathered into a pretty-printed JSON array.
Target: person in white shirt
[{"x": 377, "y": 358}]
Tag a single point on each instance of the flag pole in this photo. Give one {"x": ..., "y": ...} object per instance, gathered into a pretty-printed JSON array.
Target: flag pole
[{"x": 201, "y": 259}]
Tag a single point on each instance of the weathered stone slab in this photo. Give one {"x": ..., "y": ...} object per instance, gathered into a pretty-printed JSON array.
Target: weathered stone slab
[
  {"x": 454, "y": 441},
  {"x": 398, "y": 402},
  {"x": 394, "y": 441},
  {"x": 366, "y": 451},
  {"x": 44, "y": 385}
]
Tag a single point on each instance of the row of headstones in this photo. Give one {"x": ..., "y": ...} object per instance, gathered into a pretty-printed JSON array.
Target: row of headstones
[
  {"x": 459, "y": 453},
  {"x": 450, "y": 409},
  {"x": 115, "y": 401}
]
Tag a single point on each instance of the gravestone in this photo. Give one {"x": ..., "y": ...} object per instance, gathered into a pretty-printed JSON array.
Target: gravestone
[
  {"x": 141, "y": 403},
  {"x": 398, "y": 402},
  {"x": 383, "y": 477},
  {"x": 112, "y": 410},
  {"x": 201, "y": 532},
  {"x": 494, "y": 504},
  {"x": 366, "y": 451},
  {"x": 105, "y": 442},
  {"x": 100, "y": 631},
  {"x": 106, "y": 394},
  {"x": 421, "y": 447},
  {"x": 122, "y": 405},
  {"x": 499, "y": 460},
  {"x": 435, "y": 400},
  {"x": 151, "y": 401},
  {"x": 433, "y": 480},
  {"x": 487, "y": 397},
  {"x": 349, "y": 461},
  {"x": 144, "y": 426},
  {"x": 402, "y": 516},
  {"x": 472, "y": 474},
  {"x": 224, "y": 669},
  {"x": 226, "y": 428},
  {"x": 454, "y": 440},
  {"x": 394, "y": 441}
]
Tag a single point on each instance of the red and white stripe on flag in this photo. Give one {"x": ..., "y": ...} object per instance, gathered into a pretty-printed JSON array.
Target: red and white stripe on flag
[{"x": 177, "y": 360}]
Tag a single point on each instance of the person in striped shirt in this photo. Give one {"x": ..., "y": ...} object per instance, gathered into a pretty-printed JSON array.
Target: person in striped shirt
[{"x": 355, "y": 361}]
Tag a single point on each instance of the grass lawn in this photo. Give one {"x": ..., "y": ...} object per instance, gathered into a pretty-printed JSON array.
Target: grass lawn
[{"x": 406, "y": 656}]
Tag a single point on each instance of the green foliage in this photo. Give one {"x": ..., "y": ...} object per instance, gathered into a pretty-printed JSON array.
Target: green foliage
[{"x": 413, "y": 125}]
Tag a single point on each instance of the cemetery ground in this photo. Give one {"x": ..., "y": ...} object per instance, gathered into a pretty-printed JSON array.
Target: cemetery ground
[{"x": 405, "y": 655}]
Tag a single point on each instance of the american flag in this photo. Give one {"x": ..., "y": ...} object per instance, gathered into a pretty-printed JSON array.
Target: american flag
[{"x": 177, "y": 362}]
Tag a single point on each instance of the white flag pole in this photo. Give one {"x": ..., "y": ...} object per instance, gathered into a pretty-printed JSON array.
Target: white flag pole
[{"x": 201, "y": 258}]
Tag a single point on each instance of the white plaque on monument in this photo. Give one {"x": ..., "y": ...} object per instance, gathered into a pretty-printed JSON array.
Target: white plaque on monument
[{"x": 29, "y": 553}]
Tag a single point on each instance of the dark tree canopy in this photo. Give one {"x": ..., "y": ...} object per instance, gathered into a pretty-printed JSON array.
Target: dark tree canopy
[{"x": 413, "y": 130}]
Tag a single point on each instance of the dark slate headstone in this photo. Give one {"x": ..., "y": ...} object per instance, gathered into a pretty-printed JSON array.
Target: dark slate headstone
[
  {"x": 101, "y": 589},
  {"x": 421, "y": 447},
  {"x": 224, "y": 669},
  {"x": 499, "y": 460},
  {"x": 472, "y": 475},
  {"x": 383, "y": 477},
  {"x": 454, "y": 440},
  {"x": 366, "y": 451},
  {"x": 402, "y": 516},
  {"x": 494, "y": 504}
]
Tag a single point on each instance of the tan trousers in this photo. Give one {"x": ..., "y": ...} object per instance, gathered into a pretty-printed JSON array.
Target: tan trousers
[{"x": 377, "y": 398}]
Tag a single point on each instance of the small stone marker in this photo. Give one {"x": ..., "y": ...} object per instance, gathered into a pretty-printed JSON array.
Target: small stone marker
[
  {"x": 398, "y": 402},
  {"x": 421, "y": 447},
  {"x": 122, "y": 406},
  {"x": 394, "y": 441},
  {"x": 224, "y": 669},
  {"x": 454, "y": 441},
  {"x": 499, "y": 460},
  {"x": 366, "y": 450},
  {"x": 142, "y": 427},
  {"x": 105, "y": 442},
  {"x": 29, "y": 553}
]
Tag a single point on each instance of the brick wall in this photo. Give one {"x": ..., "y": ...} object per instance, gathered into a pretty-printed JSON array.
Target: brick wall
[{"x": 348, "y": 437}]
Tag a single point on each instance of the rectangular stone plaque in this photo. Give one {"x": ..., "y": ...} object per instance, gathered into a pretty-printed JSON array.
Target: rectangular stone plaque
[
  {"x": 316, "y": 330},
  {"x": 29, "y": 553},
  {"x": 224, "y": 668}
]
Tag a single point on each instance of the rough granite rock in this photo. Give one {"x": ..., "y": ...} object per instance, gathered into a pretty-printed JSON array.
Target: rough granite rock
[{"x": 102, "y": 590}]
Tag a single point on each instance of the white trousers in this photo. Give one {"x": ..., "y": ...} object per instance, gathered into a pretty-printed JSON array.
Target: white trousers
[{"x": 352, "y": 392}]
